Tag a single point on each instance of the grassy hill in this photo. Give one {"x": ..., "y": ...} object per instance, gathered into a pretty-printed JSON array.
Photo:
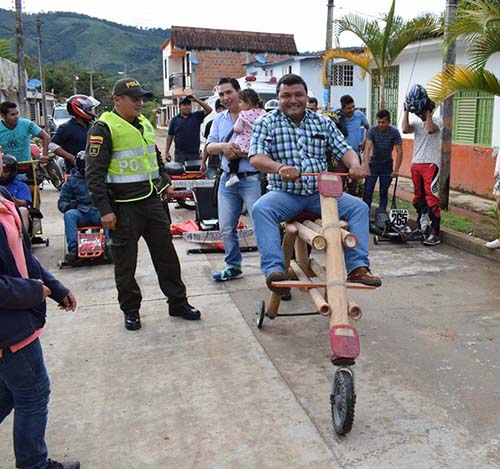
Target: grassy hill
[{"x": 83, "y": 40}]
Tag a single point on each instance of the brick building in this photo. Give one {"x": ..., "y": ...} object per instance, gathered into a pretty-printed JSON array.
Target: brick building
[{"x": 195, "y": 58}]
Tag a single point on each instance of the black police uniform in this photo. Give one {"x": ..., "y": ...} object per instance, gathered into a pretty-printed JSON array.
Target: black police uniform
[{"x": 145, "y": 217}]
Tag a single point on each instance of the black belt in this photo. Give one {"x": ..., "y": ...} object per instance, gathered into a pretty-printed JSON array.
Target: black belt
[{"x": 246, "y": 174}]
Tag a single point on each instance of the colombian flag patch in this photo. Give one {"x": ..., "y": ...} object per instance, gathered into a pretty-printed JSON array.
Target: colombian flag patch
[{"x": 96, "y": 139}]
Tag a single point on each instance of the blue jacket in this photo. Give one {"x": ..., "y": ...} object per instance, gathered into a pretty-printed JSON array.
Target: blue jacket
[
  {"x": 22, "y": 307},
  {"x": 75, "y": 194}
]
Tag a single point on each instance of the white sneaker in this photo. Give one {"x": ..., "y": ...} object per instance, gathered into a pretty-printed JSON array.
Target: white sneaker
[
  {"x": 495, "y": 244},
  {"x": 234, "y": 179}
]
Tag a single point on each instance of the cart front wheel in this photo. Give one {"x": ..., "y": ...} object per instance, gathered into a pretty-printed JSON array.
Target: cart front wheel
[
  {"x": 261, "y": 314},
  {"x": 343, "y": 400}
]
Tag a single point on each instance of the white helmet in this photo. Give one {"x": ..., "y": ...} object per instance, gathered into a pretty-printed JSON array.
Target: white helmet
[{"x": 271, "y": 105}]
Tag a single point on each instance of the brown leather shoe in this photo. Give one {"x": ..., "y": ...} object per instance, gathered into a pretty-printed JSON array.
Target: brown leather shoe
[
  {"x": 364, "y": 276},
  {"x": 275, "y": 277}
]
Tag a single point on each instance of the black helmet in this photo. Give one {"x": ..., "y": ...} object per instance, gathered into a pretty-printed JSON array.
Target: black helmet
[
  {"x": 80, "y": 162},
  {"x": 417, "y": 100},
  {"x": 81, "y": 105},
  {"x": 10, "y": 164}
]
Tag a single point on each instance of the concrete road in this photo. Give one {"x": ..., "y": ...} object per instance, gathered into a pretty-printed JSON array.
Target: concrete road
[{"x": 220, "y": 393}]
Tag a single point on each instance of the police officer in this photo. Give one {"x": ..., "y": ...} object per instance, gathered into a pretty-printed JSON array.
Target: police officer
[{"x": 126, "y": 180}]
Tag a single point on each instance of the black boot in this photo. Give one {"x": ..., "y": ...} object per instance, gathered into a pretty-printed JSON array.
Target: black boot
[
  {"x": 132, "y": 320},
  {"x": 185, "y": 311}
]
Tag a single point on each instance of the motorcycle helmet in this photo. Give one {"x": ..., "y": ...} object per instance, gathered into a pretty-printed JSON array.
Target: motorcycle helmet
[
  {"x": 271, "y": 105},
  {"x": 80, "y": 105},
  {"x": 80, "y": 162},
  {"x": 10, "y": 165},
  {"x": 417, "y": 101}
]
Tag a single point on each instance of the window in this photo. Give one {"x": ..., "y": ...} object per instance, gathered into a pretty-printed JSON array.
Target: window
[
  {"x": 165, "y": 68},
  {"x": 342, "y": 75},
  {"x": 473, "y": 118},
  {"x": 268, "y": 72},
  {"x": 287, "y": 69}
]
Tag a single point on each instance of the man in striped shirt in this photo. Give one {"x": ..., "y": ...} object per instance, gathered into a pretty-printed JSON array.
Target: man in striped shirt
[{"x": 285, "y": 143}]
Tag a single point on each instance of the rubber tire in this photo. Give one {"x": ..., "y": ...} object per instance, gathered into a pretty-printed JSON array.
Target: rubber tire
[
  {"x": 342, "y": 402},
  {"x": 56, "y": 175},
  {"x": 261, "y": 314},
  {"x": 375, "y": 240},
  {"x": 47, "y": 242},
  {"x": 188, "y": 204}
]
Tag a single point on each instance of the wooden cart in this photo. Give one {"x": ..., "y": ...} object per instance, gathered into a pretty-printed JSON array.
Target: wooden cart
[{"x": 328, "y": 290}]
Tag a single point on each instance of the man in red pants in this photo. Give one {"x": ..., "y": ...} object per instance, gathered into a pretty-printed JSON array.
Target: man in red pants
[{"x": 425, "y": 168}]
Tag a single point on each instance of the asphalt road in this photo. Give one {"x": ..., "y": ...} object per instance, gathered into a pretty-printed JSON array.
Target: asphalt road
[{"x": 221, "y": 393}]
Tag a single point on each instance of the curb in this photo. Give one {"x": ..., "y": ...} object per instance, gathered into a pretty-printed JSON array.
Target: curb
[{"x": 469, "y": 244}]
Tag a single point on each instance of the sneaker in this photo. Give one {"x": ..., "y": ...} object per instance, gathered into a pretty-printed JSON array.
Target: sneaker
[
  {"x": 132, "y": 320},
  {"x": 51, "y": 464},
  {"x": 185, "y": 311},
  {"x": 432, "y": 240},
  {"x": 229, "y": 273},
  {"x": 71, "y": 256},
  {"x": 364, "y": 276},
  {"x": 234, "y": 179},
  {"x": 495, "y": 244},
  {"x": 276, "y": 277}
]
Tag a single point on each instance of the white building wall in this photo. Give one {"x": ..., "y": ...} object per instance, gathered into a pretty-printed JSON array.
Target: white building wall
[{"x": 419, "y": 64}]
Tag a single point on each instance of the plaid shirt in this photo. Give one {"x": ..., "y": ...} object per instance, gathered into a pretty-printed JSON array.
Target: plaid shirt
[{"x": 303, "y": 146}]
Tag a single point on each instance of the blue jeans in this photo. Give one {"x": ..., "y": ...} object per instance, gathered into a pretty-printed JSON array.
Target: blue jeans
[
  {"x": 277, "y": 206},
  {"x": 230, "y": 204},
  {"x": 383, "y": 172},
  {"x": 25, "y": 388},
  {"x": 73, "y": 219}
]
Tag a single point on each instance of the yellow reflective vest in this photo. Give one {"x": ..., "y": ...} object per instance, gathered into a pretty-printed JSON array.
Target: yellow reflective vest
[{"x": 133, "y": 158}]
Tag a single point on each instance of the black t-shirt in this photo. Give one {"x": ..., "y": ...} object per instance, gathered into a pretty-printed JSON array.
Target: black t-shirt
[{"x": 186, "y": 131}]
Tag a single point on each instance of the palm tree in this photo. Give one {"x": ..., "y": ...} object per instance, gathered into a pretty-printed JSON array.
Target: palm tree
[
  {"x": 382, "y": 46},
  {"x": 478, "y": 23}
]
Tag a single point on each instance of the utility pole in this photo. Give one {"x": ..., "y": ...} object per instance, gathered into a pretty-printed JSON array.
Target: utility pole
[
  {"x": 40, "y": 68},
  {"x": 449, "y": 59},
  {"x": 328, "y": 46},
  {"x": 21, "y": 70},
  {"x": 91, "y": 75}
]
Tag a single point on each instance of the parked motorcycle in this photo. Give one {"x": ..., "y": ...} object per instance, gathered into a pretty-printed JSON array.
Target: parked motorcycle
[{"x": 51, "y": 170}]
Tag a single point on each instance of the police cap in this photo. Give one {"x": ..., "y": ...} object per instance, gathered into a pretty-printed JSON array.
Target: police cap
[{"x": 130, "y": 87}]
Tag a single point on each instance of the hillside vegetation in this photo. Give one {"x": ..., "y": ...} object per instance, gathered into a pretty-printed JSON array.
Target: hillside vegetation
[{"x": 86, "y": 41}]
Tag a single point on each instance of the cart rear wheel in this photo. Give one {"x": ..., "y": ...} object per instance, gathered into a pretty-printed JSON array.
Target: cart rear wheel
[
  {"x": 375, "y": 240},
  {"x": 343, "y": 400},
  {"x": 261, "y": 314}
]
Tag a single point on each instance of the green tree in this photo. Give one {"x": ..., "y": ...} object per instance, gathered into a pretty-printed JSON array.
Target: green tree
[
  {"x": 382, "y": 44},
  {"x": 6, "y": 50},
  {"x": 478, "y": 24}
]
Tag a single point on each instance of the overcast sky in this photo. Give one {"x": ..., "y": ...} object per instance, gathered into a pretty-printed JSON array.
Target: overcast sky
[{"x": 307, "y": 22}]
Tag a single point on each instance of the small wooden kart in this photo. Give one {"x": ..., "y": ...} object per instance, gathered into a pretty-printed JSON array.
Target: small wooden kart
[
  {"x": 328, "y": 289},
  {"x": 92, "y": 248}
]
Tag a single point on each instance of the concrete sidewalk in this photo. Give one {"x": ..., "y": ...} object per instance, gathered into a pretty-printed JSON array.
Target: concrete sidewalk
[{"x": 175, "y": 394}]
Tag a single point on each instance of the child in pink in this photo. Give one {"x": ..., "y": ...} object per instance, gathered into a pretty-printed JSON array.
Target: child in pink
[{"x": 250, "y": 111}]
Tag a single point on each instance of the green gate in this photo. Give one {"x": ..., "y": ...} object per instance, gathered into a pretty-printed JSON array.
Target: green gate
[{"x": 390, "y": 94}]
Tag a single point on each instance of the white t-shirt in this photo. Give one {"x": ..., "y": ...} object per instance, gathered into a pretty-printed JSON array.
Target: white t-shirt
[{"x": 426, "y": 146}]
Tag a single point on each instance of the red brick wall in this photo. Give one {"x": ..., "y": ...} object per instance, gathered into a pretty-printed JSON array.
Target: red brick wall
[
  {"x": 471, "y": 169},
  {"x": 216, "y": 64}
]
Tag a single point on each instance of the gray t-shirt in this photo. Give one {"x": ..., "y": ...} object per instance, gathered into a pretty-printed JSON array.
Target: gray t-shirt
[{"x": 426, "y": 146}]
